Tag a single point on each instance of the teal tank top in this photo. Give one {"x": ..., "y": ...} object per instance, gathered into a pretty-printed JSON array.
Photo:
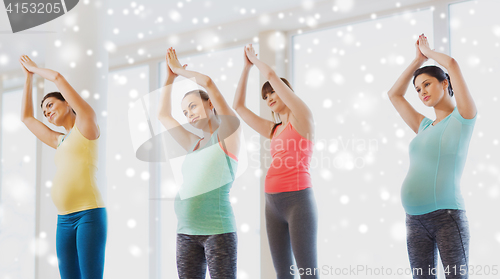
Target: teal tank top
[
  {"x": 437, "y": 159},
  {"x": 202, "y": 204}
]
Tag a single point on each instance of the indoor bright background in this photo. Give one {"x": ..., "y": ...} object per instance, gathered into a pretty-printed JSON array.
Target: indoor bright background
[{"x": 341, "y": 56}]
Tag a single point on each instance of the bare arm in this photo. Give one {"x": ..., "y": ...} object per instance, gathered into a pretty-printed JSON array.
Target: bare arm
[
  {"x": 465, "y": 104},
  {"x": 204, "y": 81},
  {"x": 185, "y": 138},
  {"x": 398, "y": 91},
  {"x": 299, "y": 109},
  {"x": 86, "y": 119},
  {"x": 40, "y": 130},
  {"x": 230, "y": 129},
  {"x": 259, "y": 124}
]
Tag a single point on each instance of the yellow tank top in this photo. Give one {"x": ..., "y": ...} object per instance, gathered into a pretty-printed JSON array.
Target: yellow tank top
[{"x": 74, "y": 187}]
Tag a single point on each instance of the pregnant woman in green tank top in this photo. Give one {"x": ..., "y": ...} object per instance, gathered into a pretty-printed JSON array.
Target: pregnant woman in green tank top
[
  {"x": 206, "y": 230},
  {"x": 435, "y": 211}
]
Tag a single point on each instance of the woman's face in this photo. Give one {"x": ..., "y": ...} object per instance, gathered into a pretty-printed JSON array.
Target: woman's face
[
  {"x": 273, "y": 101},
  {"x": 196, "y": 110},
  {"x": 430, "y": 90},
  {"x": 55, "y": 110}
]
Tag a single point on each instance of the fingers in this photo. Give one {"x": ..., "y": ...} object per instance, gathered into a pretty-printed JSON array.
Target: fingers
[
  {"x": 169, "y": 54},
  {"x": 422, "y": 39},
  {"x": 25, "y": 58}
]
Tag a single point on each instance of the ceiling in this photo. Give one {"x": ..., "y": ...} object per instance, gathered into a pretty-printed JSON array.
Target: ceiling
[
  {"x": 134, "y": 24},
  {"x": 154, "y": 19}
]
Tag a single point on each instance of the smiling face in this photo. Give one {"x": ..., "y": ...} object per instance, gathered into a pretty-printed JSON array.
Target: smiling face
[
  {"x": 55, "y": 110},
  {"x": 271, "y": 97},
  {"x": 273, "y": 101},
  {"x": 195, "y": 109},
  {"x": 430, "y": 90}
]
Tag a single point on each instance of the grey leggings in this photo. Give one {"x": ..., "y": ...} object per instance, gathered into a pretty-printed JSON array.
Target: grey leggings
[
  {"x": 194, "y": 251},
  {"x": 446, "y": 230},
  {"x": 292, "y": 225}
]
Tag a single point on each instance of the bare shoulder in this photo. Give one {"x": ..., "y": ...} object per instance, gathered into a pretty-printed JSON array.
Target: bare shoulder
[
  {"x": 88, "y": 128},
  {"x": 304, "y": 128}
]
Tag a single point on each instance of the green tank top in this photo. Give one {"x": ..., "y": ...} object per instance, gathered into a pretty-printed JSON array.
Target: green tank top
[
  {"x": 437, "y": 159},
  {"x": 202, "y": 204}
]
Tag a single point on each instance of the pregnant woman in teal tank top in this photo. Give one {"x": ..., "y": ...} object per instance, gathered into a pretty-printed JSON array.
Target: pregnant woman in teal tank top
[
  {"x": 431, "y": 197},
  {"x": 206, "y": 230}
]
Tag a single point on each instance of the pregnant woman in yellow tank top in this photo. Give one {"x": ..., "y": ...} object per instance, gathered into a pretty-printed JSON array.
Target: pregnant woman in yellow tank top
[{"x": 82, "y": 221}]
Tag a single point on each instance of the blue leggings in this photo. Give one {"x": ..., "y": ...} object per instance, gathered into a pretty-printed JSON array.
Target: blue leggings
[{"x": 80, "y": 244}]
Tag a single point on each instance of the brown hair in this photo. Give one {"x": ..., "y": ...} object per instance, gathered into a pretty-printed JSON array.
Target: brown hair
[
  {"x": 56, "y": 95},
  {"x": 267, "y": 88},
  {"x": 204, "y": 96}
]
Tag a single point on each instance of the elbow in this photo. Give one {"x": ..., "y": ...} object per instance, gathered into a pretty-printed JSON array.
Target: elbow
[
  {"x": 160, "y": 115},
  {"x": 24, "y": 119},
  {"x": 57, "y": 77},
  {"x": 452, "y": 63},
  {"x": 206, "y": 82},
  {"x": 390, "y": 94}
]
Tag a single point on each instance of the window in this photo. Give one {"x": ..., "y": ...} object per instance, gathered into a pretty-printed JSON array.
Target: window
[
  {"x": 128, "y": 187},
  {"x": 17, "y": 190}
]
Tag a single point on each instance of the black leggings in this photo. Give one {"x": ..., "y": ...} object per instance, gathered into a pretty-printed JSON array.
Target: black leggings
[
  {"x": 446, "y": 230},
  {"x": 292, "y": 225},
  {"x": 194, "y": 251}
]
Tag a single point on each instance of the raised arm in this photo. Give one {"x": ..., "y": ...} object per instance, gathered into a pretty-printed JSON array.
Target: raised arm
[
  {"x": 398, "y": 91},
  {"x": 202, "y": 80},
  {"x": 40, "y": 130},
  {"x": 185, "y": 138},
  {"x": 465, "y": 104},
  {"x": 259, "y": 124},
  {"x": 230, "y": 129},
  {"x": 299, "y": 109},
  {"x": 86, "y": 119}
]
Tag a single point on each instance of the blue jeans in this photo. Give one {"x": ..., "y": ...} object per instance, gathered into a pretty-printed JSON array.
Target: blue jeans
[{"x": 80, "y": 244}]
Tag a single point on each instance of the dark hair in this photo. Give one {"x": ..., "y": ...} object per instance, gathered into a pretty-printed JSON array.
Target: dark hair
[
  {"x": 204, "y": 96},
  {"x": 267, "y": 88},
  {"x": 436, "y": 72},
  {"x": 56, "y": 95}
]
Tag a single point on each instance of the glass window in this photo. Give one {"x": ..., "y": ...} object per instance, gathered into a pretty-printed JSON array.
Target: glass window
[
  {"x": 17, "y": 190},
  {"x": 127, "y": 251}
]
